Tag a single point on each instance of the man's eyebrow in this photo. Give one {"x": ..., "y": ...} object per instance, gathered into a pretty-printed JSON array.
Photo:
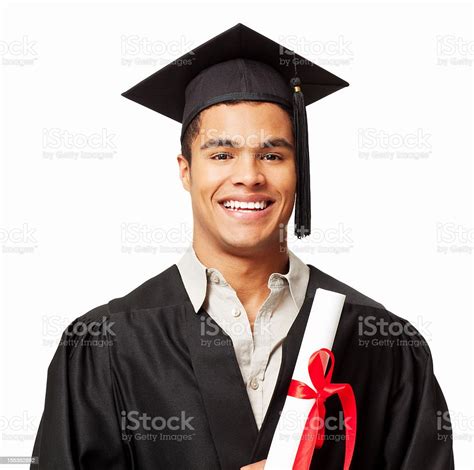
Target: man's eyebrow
[
  {"x": 224, "y": 142},
  {"x": 221, "y": 142},
  {"x": 277, "y": 142}
]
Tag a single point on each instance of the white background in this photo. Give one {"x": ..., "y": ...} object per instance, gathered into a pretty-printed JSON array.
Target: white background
[{"x": 398, "y": 229}]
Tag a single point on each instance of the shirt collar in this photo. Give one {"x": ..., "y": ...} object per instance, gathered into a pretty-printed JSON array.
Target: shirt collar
[{"x": 195, "y": 277}]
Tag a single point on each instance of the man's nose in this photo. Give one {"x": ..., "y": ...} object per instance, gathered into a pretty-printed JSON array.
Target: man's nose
[{"x": 248, "y": 169}]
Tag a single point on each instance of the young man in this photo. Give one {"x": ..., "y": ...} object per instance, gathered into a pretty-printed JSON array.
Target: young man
[{"x": 190, "y": 370}]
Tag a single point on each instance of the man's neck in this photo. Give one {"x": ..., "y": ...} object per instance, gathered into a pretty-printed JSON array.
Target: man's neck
[{"x": 247, "y": 274}]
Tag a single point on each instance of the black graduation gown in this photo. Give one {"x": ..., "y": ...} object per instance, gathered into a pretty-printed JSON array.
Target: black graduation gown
[{"x": 173, "y": 373}]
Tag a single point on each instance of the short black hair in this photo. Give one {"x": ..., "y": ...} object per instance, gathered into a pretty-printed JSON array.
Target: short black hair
[{"x": 194, "y": 126}]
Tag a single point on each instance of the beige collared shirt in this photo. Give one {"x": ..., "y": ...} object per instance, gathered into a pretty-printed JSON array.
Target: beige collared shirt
[{"x": 259, "y": 353}]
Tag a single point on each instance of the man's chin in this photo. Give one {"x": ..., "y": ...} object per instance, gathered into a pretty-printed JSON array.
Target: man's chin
[{"x": 247, "y": 239}]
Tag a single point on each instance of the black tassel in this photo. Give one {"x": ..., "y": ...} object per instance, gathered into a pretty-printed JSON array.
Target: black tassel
[{"x": 303, "y": 190}]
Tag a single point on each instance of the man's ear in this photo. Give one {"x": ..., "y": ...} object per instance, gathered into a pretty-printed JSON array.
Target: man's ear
[{"x": 184, "y": 172}]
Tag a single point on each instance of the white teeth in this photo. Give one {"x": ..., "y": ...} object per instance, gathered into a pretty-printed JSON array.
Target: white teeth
[{"x": 235, "y": 205}]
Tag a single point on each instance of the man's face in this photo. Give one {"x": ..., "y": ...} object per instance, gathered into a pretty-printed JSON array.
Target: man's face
[{"x": 244, "y": 153}]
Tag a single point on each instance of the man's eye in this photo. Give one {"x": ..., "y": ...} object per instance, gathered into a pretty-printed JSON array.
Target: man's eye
[
  {"x": 271, "y": 156},
  {"x": 220, "y": 156}
]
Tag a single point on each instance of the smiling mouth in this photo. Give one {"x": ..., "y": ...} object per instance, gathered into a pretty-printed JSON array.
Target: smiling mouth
[{"x": 245, "y": 207}]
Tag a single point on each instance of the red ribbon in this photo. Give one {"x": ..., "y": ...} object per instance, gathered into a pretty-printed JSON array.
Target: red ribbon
[{"x": 323, "y": 388}]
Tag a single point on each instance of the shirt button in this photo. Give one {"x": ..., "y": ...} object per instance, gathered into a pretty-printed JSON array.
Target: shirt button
[
  {"x": 254, "y": 383},
  {"x": 236, "y": 312},
  {"x": 214, "y": 278}
]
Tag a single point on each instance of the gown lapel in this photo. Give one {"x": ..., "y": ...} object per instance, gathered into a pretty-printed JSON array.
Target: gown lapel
[
  {"x": 235, "y": 434},
  {"x": 225, "y": 398}
]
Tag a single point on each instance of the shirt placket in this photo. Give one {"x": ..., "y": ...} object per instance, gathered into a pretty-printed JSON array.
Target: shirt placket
[{"x": 263, "y": 343}]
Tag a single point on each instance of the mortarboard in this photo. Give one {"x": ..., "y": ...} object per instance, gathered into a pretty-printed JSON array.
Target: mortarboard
[{"x": 242, "y": 64}]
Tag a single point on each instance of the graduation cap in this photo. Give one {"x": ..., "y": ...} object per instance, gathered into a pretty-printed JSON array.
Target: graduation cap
[{"x": 242, "y": 64}]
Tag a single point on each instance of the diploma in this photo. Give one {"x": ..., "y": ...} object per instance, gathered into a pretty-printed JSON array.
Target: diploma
[{"x": 319, "y": 333}]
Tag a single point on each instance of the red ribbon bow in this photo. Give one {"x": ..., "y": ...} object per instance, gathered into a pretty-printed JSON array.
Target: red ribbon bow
[{"x": 323, "y": 388}]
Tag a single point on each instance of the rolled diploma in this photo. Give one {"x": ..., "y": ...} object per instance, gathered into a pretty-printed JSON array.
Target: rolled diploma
[{"x": 319, "y": 333}]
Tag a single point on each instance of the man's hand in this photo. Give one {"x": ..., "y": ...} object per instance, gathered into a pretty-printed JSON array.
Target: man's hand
[{"x": 255, "y": 466}]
